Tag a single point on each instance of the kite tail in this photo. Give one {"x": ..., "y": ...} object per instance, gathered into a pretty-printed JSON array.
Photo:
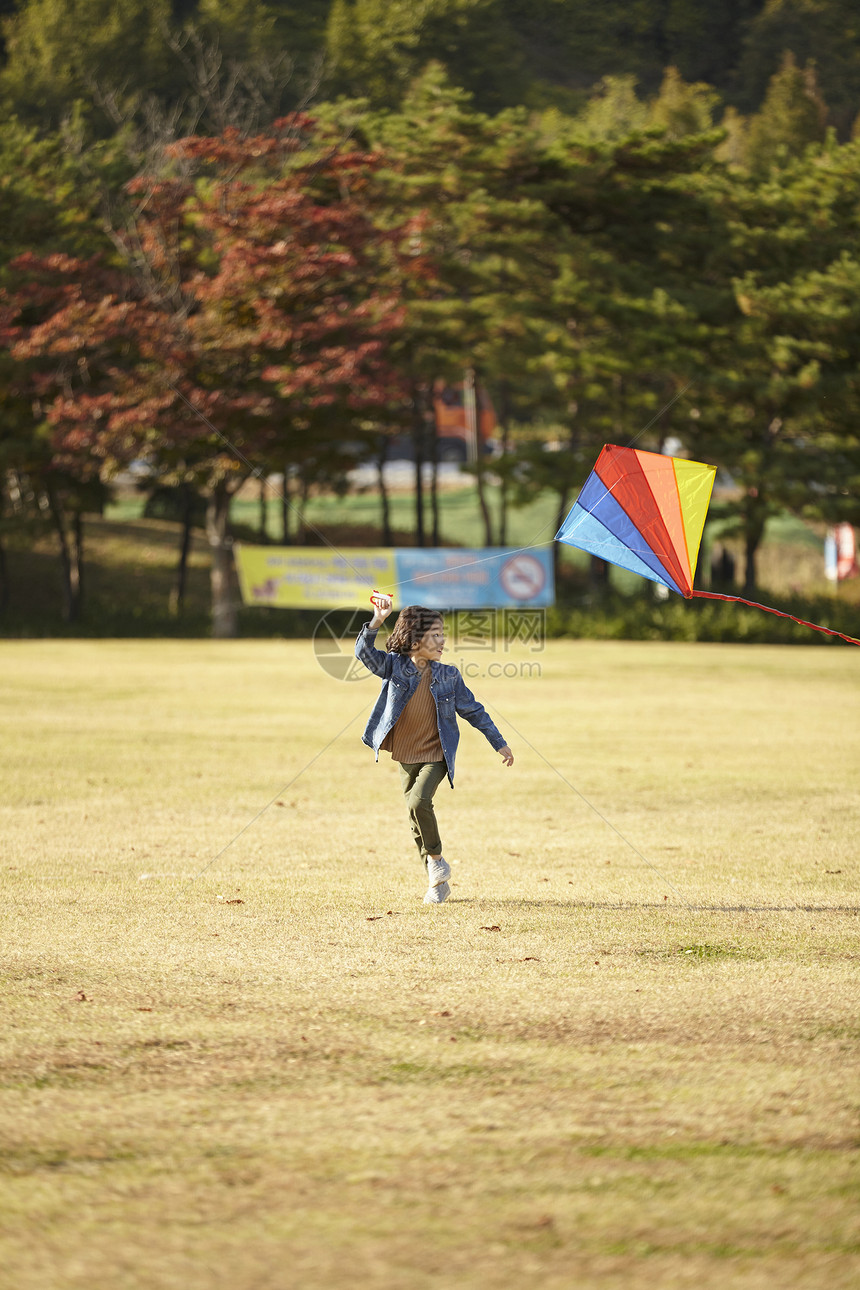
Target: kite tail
[{"x": 739, "y": 600}]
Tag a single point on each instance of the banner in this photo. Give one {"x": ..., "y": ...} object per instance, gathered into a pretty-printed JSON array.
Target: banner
[{"x": 438, "y": 577}]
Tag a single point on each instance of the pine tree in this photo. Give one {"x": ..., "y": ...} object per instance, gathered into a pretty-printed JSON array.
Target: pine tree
[
  {"x": 681, "y": 109},
  {"x": 824, "y": 32},
  {"x": 792, "y": 117},
  {"x": 614, "y": 111},
  {"x": 60, "y": 51}
]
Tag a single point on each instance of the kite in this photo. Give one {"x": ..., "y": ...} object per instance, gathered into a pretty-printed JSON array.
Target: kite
[{"x": 646, "y": 512}]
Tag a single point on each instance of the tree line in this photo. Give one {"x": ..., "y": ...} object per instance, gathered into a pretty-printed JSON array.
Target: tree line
[{"x": 226, "y": 282}]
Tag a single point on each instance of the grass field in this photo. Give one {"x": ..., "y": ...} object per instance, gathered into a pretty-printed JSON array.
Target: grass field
[{"x": 623, "y": 1055}]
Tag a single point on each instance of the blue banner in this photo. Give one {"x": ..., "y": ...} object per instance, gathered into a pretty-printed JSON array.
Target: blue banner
[{"x": 482, "y": 578}]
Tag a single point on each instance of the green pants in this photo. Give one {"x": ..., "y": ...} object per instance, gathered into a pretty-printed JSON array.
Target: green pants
[{"x": 420, "y": 781}]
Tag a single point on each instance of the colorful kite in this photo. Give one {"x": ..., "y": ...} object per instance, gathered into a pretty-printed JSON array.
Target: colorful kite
[{"x": 646, "y": 512}]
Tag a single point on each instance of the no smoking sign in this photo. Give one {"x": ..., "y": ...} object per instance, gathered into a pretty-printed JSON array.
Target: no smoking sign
[{"x": 523, "y": 577}]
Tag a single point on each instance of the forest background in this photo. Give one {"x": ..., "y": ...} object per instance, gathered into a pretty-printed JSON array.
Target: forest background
[{"x": 241, "y": 242}]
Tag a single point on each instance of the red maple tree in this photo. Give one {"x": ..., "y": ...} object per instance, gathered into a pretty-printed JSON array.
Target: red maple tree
[{"x": 245, "y": 324}]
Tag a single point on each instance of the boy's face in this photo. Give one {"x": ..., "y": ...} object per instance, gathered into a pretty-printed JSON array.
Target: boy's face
[{"x": 432, "y": 643}]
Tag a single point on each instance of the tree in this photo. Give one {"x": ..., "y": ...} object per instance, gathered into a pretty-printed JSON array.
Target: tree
[
  {"x": 792, "y": 117},
  {"x": 72, "y": 330},
  {"x": 46, "y": 205},
  {"x": 825, "y": 32},
  {"x": 482, "y": 250},
  {"x": 779, "y": 394},
  {"x": 613, "y": 111},
  {"x": 251, "y": 333},
  {"x": 59, "y": 51},
  {"x": 377, "y": 48},
  {"x": 681, "y": 109}
]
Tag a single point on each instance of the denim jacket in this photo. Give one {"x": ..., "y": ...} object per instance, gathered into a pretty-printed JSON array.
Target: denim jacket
[{"x": 400, "y": 679}]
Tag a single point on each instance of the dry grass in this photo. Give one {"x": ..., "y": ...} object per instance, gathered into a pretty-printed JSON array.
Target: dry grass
[{"x": 634, "y": 1078}]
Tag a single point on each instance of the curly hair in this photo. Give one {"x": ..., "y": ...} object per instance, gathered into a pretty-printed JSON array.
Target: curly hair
[{"x": 413, "y": 622}]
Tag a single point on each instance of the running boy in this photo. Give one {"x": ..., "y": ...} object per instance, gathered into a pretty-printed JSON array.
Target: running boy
[{"x": 415, "y": 719}]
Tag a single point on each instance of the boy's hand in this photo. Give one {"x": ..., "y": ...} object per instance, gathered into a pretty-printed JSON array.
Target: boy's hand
[
  {"x": 506, "y": 755},
  {"x": 382, "y": 606}
]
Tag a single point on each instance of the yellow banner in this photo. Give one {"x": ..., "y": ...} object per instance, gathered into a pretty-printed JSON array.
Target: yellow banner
[{"x": 307, "y": 578}]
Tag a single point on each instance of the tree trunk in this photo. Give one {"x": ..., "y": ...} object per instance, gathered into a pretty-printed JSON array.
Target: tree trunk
[
  {"x": 69, "y": 576},
  {"x": 504, "y": 413},
  {"x": 434, "y": 485},
  {"x": 264, "y": 511},
  {"x": 598, "y": 573},
  {"x": 225, "y": 622},
  {"x": 176, "y": 602},
  {"x": 469, "y": 391},
  {"x": 754, "y": 515},
  {"x": 418, "y": 433},
  {"x": 285, "y": 508},
  {"x": 4, "y": 570},
  {"x": 302, "y": 534},
  {"x": 4, "y": 580},
  {"x": 482, "y": 499},
  {"x": 563, "y": 508},
  {"x": 77, "y": 563},
  {"x": 752, "y": 541},
  {"x": 382, "y": 457}
]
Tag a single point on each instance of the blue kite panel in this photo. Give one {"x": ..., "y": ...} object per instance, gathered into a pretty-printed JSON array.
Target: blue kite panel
[
  {"x": 582, "y": 530},
  {"x": 598, "y": 501}
]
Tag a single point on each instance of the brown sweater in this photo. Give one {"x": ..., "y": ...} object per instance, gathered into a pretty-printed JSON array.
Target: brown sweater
[{"x": 414, "y": 737}]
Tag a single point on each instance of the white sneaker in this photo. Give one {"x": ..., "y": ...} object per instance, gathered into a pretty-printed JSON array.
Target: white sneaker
[
  {"x": 437, "y": 895},
  {"x": 438, "y": 871}
]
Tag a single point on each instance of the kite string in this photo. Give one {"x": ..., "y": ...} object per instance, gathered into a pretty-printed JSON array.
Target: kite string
[{"x": 739, "y": 600}]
